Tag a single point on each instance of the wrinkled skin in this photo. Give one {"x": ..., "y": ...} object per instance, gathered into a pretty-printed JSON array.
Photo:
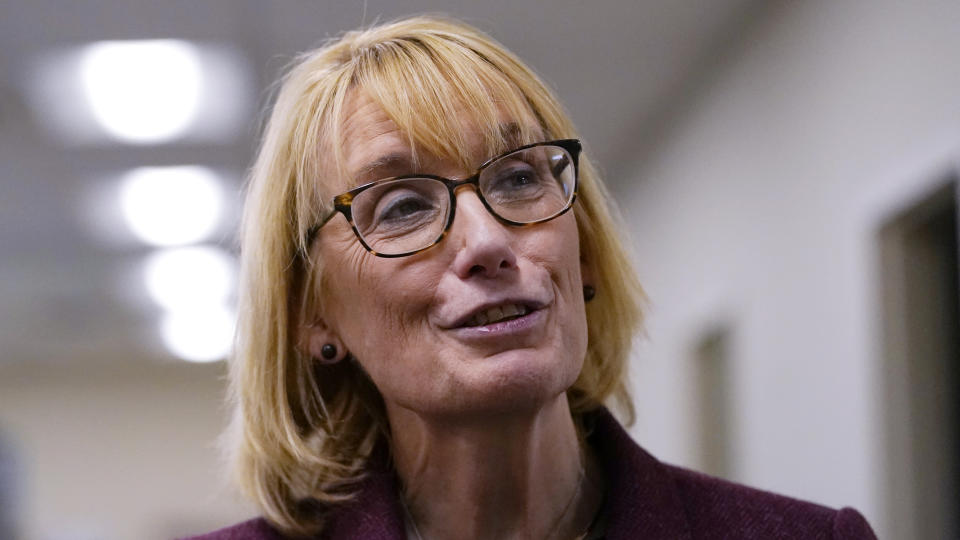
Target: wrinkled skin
[{"x": 395, "y": 315}]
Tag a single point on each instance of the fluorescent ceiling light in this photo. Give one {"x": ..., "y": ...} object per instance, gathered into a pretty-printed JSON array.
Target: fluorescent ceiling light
[
  {"x": 167, "y": 206},
  {"x": 199, "y": 336},
  {"x": 190, "y": 279},
  {"x": 141, "y": 92},
  {"x": 144, "y": 91}
]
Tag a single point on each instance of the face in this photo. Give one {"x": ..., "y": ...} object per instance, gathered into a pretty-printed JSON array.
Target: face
[{"x": 490, "y": 320}]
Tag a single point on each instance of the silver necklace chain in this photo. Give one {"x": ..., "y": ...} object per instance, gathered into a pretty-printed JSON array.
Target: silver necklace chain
[{"x": 413, "y": 522}]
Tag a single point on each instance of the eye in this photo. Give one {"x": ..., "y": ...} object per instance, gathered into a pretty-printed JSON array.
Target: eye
[
  {"x": 515, "y": 180},
  {"x": 402, "y": 207},
  {"x": 401, "y": 215},
  {"x": 520, "y": 179}
]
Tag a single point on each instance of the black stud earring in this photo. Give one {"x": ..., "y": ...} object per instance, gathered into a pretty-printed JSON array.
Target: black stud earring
[
  {"x": 589, "y": 292},
  {"x": 328, "y": 351}
]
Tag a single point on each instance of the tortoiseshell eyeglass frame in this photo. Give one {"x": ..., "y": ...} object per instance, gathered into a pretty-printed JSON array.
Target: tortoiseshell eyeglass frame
[{"x": 342, "y": 203}]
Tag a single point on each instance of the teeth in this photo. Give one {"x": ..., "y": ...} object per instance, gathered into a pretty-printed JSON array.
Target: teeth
[{"x": 496, "y": 314}]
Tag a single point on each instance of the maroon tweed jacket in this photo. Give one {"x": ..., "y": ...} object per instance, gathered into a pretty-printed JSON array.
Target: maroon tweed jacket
[{"x": 646, "y": 499}]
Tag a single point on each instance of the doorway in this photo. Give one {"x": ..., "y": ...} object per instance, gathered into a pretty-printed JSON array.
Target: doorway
[
  {"x": 712, "y": 383},
  {"x": 921, "y": 345}
]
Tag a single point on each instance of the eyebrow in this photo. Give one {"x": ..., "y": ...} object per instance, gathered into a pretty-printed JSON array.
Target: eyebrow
[
  {"x": 390, "y": 162},
  {"x": 510, "y": 134},
  {"x": 400, "y": 163}
]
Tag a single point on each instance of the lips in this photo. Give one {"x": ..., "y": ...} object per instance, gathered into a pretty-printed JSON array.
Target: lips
[{"x": 497, "y": 312}]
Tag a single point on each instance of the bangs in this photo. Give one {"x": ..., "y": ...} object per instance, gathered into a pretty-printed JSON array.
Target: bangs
[
  {"x": 438, "y": 92},
  {"x": 307, "y": 432}
]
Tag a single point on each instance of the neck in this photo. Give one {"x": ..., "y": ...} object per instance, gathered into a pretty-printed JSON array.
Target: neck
[{"x": 521, "y": 475}]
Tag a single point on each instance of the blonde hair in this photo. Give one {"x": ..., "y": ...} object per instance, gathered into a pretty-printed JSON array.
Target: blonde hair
[{"x": 304, "y": 432}]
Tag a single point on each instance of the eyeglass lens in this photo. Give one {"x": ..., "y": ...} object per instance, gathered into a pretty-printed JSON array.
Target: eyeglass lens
[{"x": 529, "y": 185}]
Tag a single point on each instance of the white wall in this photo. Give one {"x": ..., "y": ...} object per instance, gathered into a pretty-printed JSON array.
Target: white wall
[
  {"x": 759, "y": 207},
  {"x": 112, "y": 453}
]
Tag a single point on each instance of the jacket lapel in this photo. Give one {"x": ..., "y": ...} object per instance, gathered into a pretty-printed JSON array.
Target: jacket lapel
[
  {"x": 642, "y": 501},
  {"x": 375, "y": 512}
]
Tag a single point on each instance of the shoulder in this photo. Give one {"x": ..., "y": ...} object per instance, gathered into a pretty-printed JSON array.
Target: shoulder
[
  {"x": 254, "y": 529},
  {"x": 716, "y": 506},
  {"x": 649, "y": 499}
]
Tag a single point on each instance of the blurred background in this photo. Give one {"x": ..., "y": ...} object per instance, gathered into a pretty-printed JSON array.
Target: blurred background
[{"x": 787, "y": 173}]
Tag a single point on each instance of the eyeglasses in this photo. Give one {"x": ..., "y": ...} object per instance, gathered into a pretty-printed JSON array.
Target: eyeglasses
[{"x": 400, "y": 216}]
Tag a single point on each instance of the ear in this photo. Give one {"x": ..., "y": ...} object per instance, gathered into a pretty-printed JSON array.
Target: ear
[
  {"x": 315, "y": 337},
  {"x": 587, "y": 274}
]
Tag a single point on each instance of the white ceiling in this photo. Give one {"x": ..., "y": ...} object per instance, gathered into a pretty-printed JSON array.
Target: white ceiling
[{"x": 68, "y": 296}]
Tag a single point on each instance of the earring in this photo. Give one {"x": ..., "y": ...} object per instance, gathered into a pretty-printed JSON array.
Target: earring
[
  {"x": 589, "y": 292},
  {"x": 328, "y": 352}
]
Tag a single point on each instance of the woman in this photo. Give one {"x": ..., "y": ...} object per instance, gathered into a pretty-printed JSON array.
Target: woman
[{"x": 435, "y": 309}]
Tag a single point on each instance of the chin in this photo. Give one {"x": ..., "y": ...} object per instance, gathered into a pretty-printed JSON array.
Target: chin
[{"x": 515, "y": 382}]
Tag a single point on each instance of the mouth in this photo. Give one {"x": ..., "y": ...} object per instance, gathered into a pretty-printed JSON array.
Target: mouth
[{"x": 497, "y": 313}]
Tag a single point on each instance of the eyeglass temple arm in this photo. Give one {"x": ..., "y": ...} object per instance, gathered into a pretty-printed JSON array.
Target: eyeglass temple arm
[{"x": 312, "y": 231}]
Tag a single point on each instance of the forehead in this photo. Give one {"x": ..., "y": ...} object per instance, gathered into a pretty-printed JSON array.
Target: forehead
[
  {"x": 374, "y": 146},
  {"x": 368, "y": 133}
]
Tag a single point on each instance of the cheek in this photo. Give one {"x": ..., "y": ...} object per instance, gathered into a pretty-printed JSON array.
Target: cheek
[
  {"x": 562, "y": 258},
  {"x": 377, "y": 306},
  {"x": 559, "y": 253},
  {"x": 388, "y": 333}
]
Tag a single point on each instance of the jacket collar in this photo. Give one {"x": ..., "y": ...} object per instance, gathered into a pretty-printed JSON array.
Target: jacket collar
[{"x": 641, "y": 499}]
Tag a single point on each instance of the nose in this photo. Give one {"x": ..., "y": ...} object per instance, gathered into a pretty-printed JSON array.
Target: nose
[{"x": 484, "y": 245}]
